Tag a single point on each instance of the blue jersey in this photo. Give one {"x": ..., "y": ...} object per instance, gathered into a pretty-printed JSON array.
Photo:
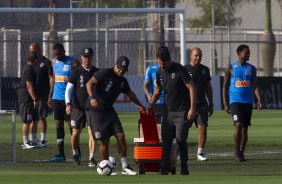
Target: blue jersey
[
  {"x": 62, "y": 70},
  {"x": 241, "y": 84},
  {"x": 150, "y": 76}
]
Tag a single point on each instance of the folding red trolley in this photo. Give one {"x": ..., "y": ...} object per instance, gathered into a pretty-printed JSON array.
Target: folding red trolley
[{"x": 148, "y": 150}]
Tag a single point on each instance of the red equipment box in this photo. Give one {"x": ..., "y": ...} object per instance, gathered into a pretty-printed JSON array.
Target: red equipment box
[{"x": 148, "y": 150}]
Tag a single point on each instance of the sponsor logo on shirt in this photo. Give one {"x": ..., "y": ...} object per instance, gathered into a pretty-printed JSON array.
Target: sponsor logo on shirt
[
  {"x": 242, "y": 83},
  {"x": 59, "y": 78}
]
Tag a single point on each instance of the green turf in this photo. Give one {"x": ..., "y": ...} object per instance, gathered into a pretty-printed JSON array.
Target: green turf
[{"x": 263, "y": 152}]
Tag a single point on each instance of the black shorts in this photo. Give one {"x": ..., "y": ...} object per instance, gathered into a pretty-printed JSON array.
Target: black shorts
[
  {"x": 160, "y": 110},
  {"x": 27, "y": 112},
  {"x": 59, "y": 109},
  {"x": 241, "y": 113},
  {"x": 202, "y": 115},
  {"x": 103, "y": 126},
  {"x": 43, "y": 108},
  {"x": 78, "y": 118}
]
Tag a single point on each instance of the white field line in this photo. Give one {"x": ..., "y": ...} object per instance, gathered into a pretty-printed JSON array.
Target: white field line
[{"x": 228, "y": 154}]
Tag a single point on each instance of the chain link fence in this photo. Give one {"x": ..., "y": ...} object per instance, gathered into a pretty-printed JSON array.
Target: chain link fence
[{"x": 216, "y": 26}]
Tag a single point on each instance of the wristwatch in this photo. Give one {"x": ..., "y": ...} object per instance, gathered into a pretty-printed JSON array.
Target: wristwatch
[{"x": 91, "y": 97}]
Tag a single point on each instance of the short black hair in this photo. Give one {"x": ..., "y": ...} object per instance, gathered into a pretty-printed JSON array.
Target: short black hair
[
  {"x": 32, "y": 57},
  {"x": 59, "y": 47},
  {"x": 163, "y": 54},
  {"x": 240, "y": 48}
]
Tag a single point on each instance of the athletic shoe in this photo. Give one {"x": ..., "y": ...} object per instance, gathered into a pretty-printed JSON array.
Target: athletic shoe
[
  {"x": 92, "y": 162},
  {"x": 76, "y": 160},
  {"x": 184, "y": 169},
  {"x": 27, "y": 146},
  {"x": 43, "y": 143},
  {"x": 201, "y": 157},
  {"x": 128, "y": 171},
  {"x": 173, "y": 170},
  {"x": 36, "y": 144},
  {"x": 58, "y": 158},
  {"x": 80, "y": 158},
  {"x": 113, "y": 173}
]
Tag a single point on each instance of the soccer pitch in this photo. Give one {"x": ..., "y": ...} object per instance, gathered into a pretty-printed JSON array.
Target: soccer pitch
[{"x": 263, "y": 154}]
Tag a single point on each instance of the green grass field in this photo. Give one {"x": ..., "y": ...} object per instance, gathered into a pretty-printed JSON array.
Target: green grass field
[{"x": 263, "y": 153}]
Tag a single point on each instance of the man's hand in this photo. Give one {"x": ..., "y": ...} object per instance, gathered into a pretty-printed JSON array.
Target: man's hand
[
  {"x": 68, "y": 109},
  {"x": 226, "y": 108}
]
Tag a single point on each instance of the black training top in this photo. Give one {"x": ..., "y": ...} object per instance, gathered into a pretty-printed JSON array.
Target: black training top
[
  {"x": 43, "y": 70},
  {"x": 109, "y": 88},
  {"x": 200, "y": 76},
  {"x": 27, "y": 74},
  {"x": 79, "y": 77},
  {"x": 173, "y": 81}
]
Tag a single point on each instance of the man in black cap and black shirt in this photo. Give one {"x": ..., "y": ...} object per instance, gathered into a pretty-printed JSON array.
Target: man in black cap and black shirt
[
  {"x": 108, "y": 84},
  {"x": 76, "y": 108},
  {"x": 175, "y": 81}
]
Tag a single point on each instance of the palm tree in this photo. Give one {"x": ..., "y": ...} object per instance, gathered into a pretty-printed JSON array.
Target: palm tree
[
  {"x": 268, "y": 47},
  {"x": 52, "y": 21}
]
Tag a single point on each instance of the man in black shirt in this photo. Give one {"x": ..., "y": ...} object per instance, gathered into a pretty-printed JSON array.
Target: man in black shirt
[
  {"x": 76, "y": 108},
  {"x": 45, "y": 81},
  {"x": 173, "y": 79},
  {"x": 27, "y": 98},
  {"x": 108, "y": 84},
  {"x": 200, "y": 74}
]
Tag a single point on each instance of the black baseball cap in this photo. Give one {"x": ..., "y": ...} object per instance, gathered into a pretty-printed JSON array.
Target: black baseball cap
[
  {"x": 87, "y": 51},
  {"x": 122, "y": 63}
]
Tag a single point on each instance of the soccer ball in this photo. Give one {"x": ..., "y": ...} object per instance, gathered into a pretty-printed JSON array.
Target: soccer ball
[
  {"x": 113, "y": 160},
  {"x": 105, "y": 168}
]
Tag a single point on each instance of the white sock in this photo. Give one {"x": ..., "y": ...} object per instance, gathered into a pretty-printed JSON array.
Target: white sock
[
  {"x": 43, "y": 136},
  {"x": 123, "y": 162},
  {"x": 200, "y": 151},
  {"x": 25, "y": 139},
  {"x": 74, "y": 152},
  {"x": 91, "y": 156}
]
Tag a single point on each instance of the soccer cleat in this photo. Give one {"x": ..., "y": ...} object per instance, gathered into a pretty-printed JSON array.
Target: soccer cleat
[
  {"x": 201, "y": 157},
  {"x": 58, "y": 158},
  {"x": 92, "y": 162},
  {"x": 128, "y": 171},
  {"x": 242, "y": 156},
  {"x": 27, "y": 146},
  {"x": 76, "y": 160}
]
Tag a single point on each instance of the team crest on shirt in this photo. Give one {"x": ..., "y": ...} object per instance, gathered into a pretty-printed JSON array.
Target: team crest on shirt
[
  {"x": 235, "y": 117},
  {"x": 247, "y": 71},
  {"x": 41, "y": 65},
  {"x": 66, "y": 68},
  {"x": 97, "y": 135},
  {"x": 172, "y": 75},
  {"x": 81, "y": 80}
]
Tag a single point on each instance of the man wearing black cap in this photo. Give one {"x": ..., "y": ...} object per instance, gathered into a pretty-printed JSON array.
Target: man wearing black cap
[
  {"x": 104, "y": 121},
  {"x": 174, "y": 80},
  {"x": 76, "y": 107}
]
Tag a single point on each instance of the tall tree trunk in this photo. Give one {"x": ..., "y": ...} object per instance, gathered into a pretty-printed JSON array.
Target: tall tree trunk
[
  {"x": 52, "y": 21},
  {"x": 171, "y": 24},
  {"x": 269, "y": 46},
  {"x": 155, "y": 32}
]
